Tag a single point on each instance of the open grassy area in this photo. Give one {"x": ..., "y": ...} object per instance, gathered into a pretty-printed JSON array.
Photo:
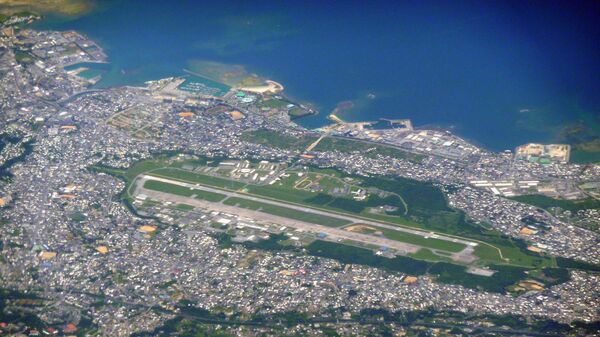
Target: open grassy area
[
  {"x": 567, "y": 205},
  {"x": 512, "y": 255},
  {"x": 278, "y": 140},
  {"x": 427, "y": 254},
  {"x": 184, "y": 207},
  {"x": 183, "y": 191},
  {"x": 367, "y": 149},
  {"x": 445, "y": 272},
  {"x": 422, "y": 241},
  {"x": 286, "y": 212},
  {"x": 281, "y": 192},
  {"x": 138, "y": 168},
  {"x": 297, "y": 112},
  {"x": 193, "y": 177},
  {"x": 288, "y": 189},
  {"x": 282, "y": 104},
  {"x": 23, "y": 57}
]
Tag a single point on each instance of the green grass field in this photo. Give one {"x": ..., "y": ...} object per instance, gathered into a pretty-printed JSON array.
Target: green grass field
[
  {"x": 427, "y": 254},
  {"x": 513, "y": 253},
  {"x": 193, "y": 177},
  {"x": 286, "y": 190},
  {"x": 184, "y": 207},
  {"x": 567, "y": 205},
  {"x": 421, "y": 241},
  {"x": 183, "y": 191},
  {"x": 286, "y": 212},
  {"x": 369, "y": 150}
]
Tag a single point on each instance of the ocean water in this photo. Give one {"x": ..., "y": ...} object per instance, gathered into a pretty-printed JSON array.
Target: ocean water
[{"x": 498, "y": 74}]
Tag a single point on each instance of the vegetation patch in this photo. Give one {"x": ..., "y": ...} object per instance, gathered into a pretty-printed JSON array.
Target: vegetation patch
[
  {"x": 184, "y": 207},
  {"x": 545, "y": 202},
  {"x": 277, "y": 140},
  {"x": 421, "y": 241},
  {"x": 193, "y": 177},
  {"x": 183, "y": 191},
  {"x": 504, "y": 276},
  {"x": 286, "y": 212},
  {"x": 427, "y": 254},
  {"x": 369, "y": 150}
]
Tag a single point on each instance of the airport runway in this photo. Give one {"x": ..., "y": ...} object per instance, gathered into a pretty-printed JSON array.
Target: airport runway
[{"x": 464, "y": 256}]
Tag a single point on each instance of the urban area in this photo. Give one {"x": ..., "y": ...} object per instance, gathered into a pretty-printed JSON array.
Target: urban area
[{"x": 184, "y": 207}]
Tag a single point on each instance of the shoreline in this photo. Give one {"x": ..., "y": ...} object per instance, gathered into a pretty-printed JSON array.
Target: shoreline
[
  {"x": 270, "y": 87},
  {"x": 189, "y": 72},
  {"x": 315, "y": 123}
]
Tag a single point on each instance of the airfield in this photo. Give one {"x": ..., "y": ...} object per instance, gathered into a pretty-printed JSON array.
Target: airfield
[
  {"x": 273, "y": 195},
  {"x": 237, "y": 203},
  {"x": 252, "y": 201}
]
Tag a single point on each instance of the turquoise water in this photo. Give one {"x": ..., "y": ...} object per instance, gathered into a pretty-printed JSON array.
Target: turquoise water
[
  {"x": 91, "y": 73},
  {"x": 205, "y": 86},
  {"x": 90, "y": 65},
  {"x": 498, "y": 74},
  {"x": 94, "y": 69}
]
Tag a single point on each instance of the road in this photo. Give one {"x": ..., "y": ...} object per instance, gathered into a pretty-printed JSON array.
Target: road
[{"x": 315, "y": 143}]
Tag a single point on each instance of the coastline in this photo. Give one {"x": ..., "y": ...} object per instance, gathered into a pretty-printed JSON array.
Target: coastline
[
  {"x": 316, "y": 120},
  {"x": 270, "y": 87}
]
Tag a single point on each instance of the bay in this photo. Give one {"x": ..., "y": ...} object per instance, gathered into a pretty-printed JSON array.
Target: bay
[{"x": 498, "y": 74}]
